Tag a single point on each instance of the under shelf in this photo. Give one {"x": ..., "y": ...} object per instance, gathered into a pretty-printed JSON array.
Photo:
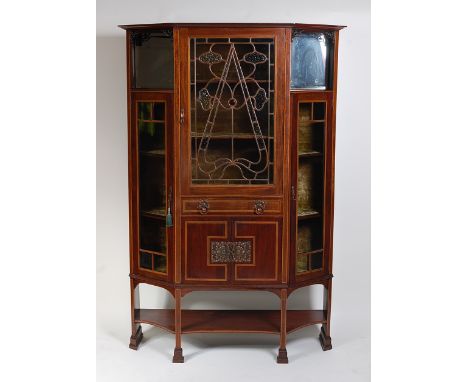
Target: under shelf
[{"x": 230, "y": 321}]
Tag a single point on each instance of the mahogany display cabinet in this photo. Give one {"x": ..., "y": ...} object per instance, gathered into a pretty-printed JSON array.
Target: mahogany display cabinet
[{"x": 231, "y": 142}]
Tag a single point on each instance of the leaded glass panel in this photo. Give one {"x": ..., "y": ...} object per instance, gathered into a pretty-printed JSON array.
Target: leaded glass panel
[{"x": 232, "y": 110}]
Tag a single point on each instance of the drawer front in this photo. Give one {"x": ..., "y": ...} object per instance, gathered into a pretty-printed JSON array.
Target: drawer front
[{"x": 221, "y": 206}]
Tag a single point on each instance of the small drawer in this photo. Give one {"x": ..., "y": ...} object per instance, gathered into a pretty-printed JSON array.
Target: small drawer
[{"x": 214, "y": 206}]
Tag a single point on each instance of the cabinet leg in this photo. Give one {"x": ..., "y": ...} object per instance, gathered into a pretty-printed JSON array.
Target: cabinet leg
[
  {"x": 135, "y": 339},
  {"x": 137, "y": 333},
  {"x": 282, "y": 352},
  {"x": 178, "y": 354},
  {"x": 324, "y": 337}
]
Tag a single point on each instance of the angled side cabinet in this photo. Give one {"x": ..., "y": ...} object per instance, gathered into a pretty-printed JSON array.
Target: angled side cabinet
[{"x": 231, "y": 139}]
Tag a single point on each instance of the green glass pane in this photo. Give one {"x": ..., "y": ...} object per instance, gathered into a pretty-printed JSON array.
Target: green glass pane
[
  {"x": 301, "y": 263},
  {"x": 145, "y": 260},
  {"x": 159, "y": 264}
]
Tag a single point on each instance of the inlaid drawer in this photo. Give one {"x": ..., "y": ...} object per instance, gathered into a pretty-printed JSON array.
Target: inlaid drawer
[{"x": 220, "y": 206}]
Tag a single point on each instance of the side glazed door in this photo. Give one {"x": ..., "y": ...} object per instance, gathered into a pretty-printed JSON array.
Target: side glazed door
[
  {"x": 311, "y": 116},
  {"x": 151, "y": 181}
]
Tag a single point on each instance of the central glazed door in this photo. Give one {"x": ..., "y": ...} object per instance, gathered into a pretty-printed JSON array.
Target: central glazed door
[{"x": 232, "y": 172}]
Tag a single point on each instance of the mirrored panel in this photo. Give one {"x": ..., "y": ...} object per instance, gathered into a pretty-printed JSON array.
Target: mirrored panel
[
  {"x": 311, "y": 60},
  {"x": 232, "y": 110},
  {"x": 153, "y": 59}
]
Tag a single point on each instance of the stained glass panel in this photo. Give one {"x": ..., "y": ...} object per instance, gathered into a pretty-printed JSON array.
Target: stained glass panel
[{"x": 232, "y": 110}]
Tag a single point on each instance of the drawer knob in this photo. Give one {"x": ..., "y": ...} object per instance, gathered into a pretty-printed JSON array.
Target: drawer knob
[
  {"x": 203, "y": 206},
  {"x": 259, "y": 207}
]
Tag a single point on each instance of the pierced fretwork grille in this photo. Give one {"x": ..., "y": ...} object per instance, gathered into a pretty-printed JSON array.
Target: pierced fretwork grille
[{"x": 232, "y": 110}]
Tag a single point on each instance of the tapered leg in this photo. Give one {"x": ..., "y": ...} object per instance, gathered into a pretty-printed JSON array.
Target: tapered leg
[
  {"x": 137, "y": 334},
  {"x": 282, "y": 352},
  {"x": 178, "y": 355},
  {"x": 325, "y": 339}
]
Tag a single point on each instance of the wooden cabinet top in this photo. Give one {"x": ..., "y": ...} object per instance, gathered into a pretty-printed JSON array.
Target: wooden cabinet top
[{"x": 321, "y": 27}]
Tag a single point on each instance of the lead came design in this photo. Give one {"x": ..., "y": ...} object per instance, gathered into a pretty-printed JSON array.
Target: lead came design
[
  {"x": 231, "y": 251},
  {"x": 232, "y": 111}
]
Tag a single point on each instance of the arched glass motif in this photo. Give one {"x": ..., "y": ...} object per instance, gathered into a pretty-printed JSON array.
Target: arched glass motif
[{"x": 232, "y": 110}]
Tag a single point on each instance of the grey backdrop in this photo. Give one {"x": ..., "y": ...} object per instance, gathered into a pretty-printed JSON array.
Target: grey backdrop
[{"x": 350, "y": 358}]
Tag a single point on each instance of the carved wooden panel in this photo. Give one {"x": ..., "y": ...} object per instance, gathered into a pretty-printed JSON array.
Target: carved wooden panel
[{"x": 231, "y": 251}]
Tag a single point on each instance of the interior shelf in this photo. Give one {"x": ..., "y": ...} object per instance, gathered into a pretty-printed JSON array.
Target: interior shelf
[
  {"x": 230, "y": 321},
  {"x": 153, "y": 152},
  {"x": 310, "y": 154},
  {"x": 230, "y": 136},
  {"x": 306, "y": 214},
  {"x": 154, "y": 213},
  {"x": 311, "y": 252}
]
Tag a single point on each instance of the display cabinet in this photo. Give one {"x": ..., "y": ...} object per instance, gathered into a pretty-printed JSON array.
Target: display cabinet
[{"x": 231, "y": 139}]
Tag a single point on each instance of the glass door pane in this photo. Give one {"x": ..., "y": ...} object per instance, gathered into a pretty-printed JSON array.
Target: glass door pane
[
  {"x": 311, "y": 122},
  {"x": 152, "y": 123},
  {"x": 153, "y": 59},
  {"x": 232, "y": 84}
]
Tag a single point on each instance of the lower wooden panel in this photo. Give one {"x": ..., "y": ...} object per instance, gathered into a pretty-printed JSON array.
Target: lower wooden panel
[
  {"x": 266, "y": 264},
  {"x": 197, "y": 236},
  {"x": 230, "y": 321}
]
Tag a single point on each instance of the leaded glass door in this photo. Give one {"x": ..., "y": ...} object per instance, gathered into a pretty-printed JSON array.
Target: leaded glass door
[{"x": 230, "y": 118}]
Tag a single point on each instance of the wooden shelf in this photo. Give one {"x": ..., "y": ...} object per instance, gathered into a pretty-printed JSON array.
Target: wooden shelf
[
  {"x": 152, "y": 120},
  {"x": 310, "y": 252},
  {"x": 230, "y": 321},
  {"x": 230, "y": 136},
  {"x": 232, "y": 81},
  {"x": 307, "y": 214},
  {"x": 155, "y": 213},
  {"x": 311, "y": 120},
  {"x": 161, "y": 153},
  {"x": 153, "y": 252},
  {"x": 310, "y": 154}
]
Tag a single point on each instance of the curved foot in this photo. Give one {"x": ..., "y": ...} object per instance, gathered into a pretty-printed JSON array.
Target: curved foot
[
  {"x": 136, "y": 339},
  {"x": 282, "y": 356},
  {"x": 178, "y": 356},
  {"x": 325, "y": 340}
]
